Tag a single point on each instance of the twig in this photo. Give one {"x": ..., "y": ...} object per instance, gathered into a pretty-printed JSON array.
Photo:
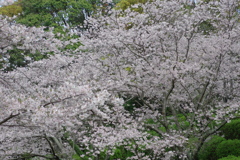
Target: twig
[{"x": 9, "y": 117}]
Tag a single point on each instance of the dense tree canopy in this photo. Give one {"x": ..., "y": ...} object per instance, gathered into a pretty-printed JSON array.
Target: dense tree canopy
[
  {"x": 54, "y": 12},
  {"x": 185, "y": 76}
]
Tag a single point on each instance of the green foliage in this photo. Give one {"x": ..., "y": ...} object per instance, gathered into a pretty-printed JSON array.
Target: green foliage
[
  {"x": 120, "y": 153},
  {"x": 215, "y": 148},
  {"x": 183, "y": 121},
  {"x": 124, "y": 4},
  {"x": 75, "y": 147},
  {"x": 54, "y": 13},
  {"x": 18, "y": 58},
  {"x": 228, "y": 147},
  {"x": 131, "y": 103},
  {"x": 21, "y": 58},
  {"x": 208, "y": 150},
  {"x": 231, "y": 157},
  {"x": 73, "y": 45},
  {"x": 206, "y": 27},
  {"x": 231, "y": 130},
  {"x": 152, "y": 132},
  {"x": 36, "y": 20},
  {"x": 11, "y": 10}
]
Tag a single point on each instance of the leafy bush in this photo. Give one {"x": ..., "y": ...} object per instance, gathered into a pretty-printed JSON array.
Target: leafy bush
[
  {"x": 228, "y": 147},
  {"x": 230, "y": 158},
  {"x": 121, "y": 153},
  {"x": 21, "y": 58},
  {"x": 232, "y": 130},
  {"x": 118, "y": 153},
  {"x": 208, "y": 151},
  {"x": 132, "y": 103}
]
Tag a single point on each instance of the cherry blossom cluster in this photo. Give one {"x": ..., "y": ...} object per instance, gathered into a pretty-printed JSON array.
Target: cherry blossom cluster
[
  {"x": 6, "y": 2},
  {"x": 181, "y": 62},
  {"x": 28, "y": 39}
]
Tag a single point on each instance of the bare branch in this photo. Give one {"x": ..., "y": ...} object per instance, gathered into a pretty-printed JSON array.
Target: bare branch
[{"x": 9, "y": 117}]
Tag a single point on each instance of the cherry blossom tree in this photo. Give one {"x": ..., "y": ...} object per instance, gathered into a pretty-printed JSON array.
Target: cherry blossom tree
[
  {"x": 6, "y": 2},
  {"x": 177, "y": 68},
  {"x": 186, "y": 78},
  {"x": 24, "y": 39}
]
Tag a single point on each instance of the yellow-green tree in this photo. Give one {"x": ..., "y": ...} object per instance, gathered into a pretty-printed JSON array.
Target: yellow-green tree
[
  {"x": 124, "y": 4},
  {"x": 11, "y": 10}
]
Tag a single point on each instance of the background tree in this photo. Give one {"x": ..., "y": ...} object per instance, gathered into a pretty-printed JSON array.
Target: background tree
[
  {"x": 50, "y": 13},
  {"x": 124, "y": 4},
  {"x": 11, "y": 10}
]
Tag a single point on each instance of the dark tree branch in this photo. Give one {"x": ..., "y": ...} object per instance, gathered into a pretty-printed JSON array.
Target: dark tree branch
[
  {"x": 204, "y": 137},
  {"x": 9, "y": 117},
  {"x": 60, "y": 100},
  {"x": 154, "y": 128},
  {"x": 52, "y": 149},
  {"x": 5, "y": 125},
  {"x": 27, "y": 156}
]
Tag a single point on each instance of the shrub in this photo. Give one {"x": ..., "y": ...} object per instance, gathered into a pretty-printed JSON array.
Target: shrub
[
  {"x": 232, "y": 130},
  {"x": 228, "y": 147},
  {"x": 231, "y": 157},
  {"x": 208, "y": 150},
  {"x": 132, "y": 103}
]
